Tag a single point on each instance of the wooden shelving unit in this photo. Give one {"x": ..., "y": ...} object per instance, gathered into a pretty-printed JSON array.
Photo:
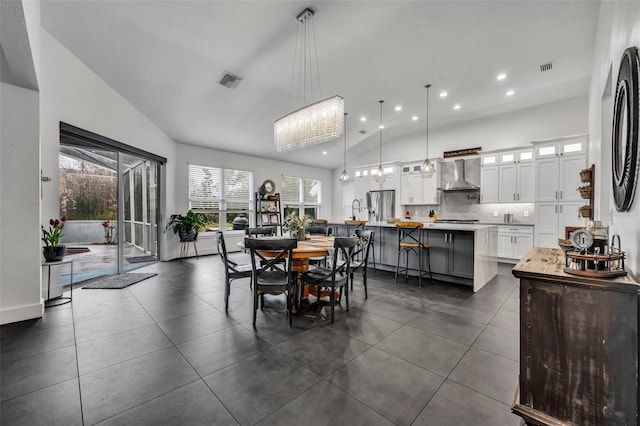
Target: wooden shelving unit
[
  {"x": 587, "y": 191},
  {"x": 269, "y": 211}
]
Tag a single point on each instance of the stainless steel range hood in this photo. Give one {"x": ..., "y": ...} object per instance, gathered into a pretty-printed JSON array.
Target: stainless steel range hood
[{"x": 459, "y": 183}]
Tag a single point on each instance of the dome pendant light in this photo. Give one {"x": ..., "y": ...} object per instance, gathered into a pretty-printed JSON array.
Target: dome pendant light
[
  {"x": 344, "y": 177},
  {"x": 379, "y": 177},
  {"x": 427, "y": 169}
]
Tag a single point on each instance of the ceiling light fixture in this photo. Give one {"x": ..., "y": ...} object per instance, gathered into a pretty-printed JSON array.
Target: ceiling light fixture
[
  {"x": 398, "y": 107},
  {"x": 414, "y": 118},
  {"x": 501, "y": 76},
  {"x": 379, "y": 177},
  {"x": 363, "y": 118},
  {"x": 427, "y": 169},
  {"x": 344, "y": 176},
  {"x": 510, "y": 93},
  {"x": 317, "y": 122},
  {"x": 324, "y": 152},
  {"x": 443, "y": 94},
  {"x": 456, "y": 106}
]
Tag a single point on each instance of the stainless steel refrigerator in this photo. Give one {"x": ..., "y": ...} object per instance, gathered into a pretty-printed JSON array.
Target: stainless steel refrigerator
[{"x": 381, "y": 204}]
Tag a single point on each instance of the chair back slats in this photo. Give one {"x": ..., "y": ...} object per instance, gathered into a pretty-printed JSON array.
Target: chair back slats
[
  {"x": 361, "y": 251},
  {"x": 318, "y": 230},
  {"x": 410, "y": 232},
  {"x": 284, "y": 248},
  {"x": 342, "y": 255}
]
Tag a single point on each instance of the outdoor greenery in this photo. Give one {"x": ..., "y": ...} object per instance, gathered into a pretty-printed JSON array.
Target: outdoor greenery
[{"x": 87, "y": 192}]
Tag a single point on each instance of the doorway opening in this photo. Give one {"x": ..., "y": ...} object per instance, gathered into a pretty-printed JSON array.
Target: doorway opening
[{"x": 110, "y": 193}]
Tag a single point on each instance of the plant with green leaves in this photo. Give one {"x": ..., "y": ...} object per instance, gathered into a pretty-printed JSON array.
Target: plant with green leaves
[
  {"x": 295, "y": 224},
  {"x": 187, "y": 224},
  {"x": 51, "y": 236}
]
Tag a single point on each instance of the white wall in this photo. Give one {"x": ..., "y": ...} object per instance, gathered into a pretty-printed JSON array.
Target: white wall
[
  {"x": 262, "y": 169},
  {"x": 618, "y": 28},
  {"x": 72, "y": 93},
  {"x": 19, "y": 205},
  {"x": 517, "y": 128}
]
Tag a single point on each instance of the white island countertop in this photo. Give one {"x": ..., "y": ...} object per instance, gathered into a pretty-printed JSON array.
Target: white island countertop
[{"x": 430, "y": 225}]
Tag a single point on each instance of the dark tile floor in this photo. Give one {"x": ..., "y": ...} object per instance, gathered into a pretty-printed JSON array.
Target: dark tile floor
[{"x": 163, "y": 352}]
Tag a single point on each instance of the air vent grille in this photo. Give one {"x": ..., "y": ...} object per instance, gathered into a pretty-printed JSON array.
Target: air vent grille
[
  {"x": 363, "y": 132},
  {"x": 229, "y": 80},
  {"x": 546, "y": 67}
]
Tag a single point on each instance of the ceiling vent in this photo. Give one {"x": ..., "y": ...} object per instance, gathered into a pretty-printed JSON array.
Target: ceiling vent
[
  {"x": 229, "y": 80},
  {"x": 363, "y": 132},
  {"x": 546, "y": 67}
]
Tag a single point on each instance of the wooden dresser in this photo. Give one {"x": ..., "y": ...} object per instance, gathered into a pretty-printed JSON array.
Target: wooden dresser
[{"x": 578, "y": 345}]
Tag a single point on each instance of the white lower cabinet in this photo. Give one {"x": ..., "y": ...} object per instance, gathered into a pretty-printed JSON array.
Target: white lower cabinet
[{"x": 514, "y": 241}]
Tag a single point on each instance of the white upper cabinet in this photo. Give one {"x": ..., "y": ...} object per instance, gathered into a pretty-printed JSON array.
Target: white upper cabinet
[
  {"x": 571, "y": 145},
  {"x": 490, "y": 184},
  {"x": 417, "y": 190},
  {"x": 508, "y": 176}
]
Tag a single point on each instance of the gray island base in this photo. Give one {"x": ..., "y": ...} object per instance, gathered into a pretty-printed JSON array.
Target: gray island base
[{"x": 460, "y": 253}]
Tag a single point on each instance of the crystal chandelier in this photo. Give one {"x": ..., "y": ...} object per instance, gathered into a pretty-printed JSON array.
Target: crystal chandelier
[
  {"x": 379, "y": 176},
  {"x": 317, "y": 122},
  {"x": 344, "y": 176},
  {"x": 427, "y": 169}
]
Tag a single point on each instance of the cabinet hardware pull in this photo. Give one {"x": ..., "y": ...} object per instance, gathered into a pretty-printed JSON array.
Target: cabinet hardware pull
[
  {"x": 515, "y": 239},
  {"x": 561, "y": 195},
  {"x": 560, "y": 208},
  {"x": 556, "y": 209},
  {"x": 514, "y": 196},
  {"x": 556, "y": 195}
]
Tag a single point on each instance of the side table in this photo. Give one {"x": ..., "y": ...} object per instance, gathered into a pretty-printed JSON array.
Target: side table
[{"x": 47, "y": 302}]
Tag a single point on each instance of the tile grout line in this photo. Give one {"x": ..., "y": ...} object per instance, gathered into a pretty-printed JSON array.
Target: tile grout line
[
  {"x": 75, "y": 347},
  {"x": 462, "y": 357}
]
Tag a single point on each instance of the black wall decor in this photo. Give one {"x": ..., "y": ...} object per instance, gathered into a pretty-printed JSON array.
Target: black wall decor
[{"x": 625, "y": 161}]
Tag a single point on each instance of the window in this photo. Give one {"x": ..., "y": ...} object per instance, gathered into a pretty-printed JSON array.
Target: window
[
  {"x": 301, "y": 196},
  {"x": 221, "y": 194}
]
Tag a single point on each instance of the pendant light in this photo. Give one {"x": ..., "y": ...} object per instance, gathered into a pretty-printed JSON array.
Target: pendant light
[
  {"x": 344, "y": 177},
  {"x": 379, "y": 177},
  {"x": 427, "y": 169}
]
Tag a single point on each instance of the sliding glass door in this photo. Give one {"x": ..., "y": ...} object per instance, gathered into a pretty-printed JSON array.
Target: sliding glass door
[{"x": 112, "y": 201}]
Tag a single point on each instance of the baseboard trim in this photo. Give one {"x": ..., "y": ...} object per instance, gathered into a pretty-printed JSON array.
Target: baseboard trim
[{"x": 21, "y": 313}]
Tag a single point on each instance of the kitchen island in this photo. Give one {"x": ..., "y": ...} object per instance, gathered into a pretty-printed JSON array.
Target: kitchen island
[{"x": 460, "y": 253}]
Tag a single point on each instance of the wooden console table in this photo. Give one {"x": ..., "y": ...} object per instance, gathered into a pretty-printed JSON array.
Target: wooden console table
[{"x": 578, "y": 345}]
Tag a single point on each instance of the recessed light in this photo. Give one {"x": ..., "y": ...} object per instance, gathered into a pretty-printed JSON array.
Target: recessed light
[
  {"x": 501, "y": 76},
  {"x": 456, "y": 106},
  {"x": 363, "y": 118},
  {"x": 381, "y": 126},
  {"x": 443, "y": 94},
  {"x": 510, "y": 93},
  {"x": 324, "y": 152},
  {"x": 398, "y": 107},
  {"x": 414, "y": 118}
]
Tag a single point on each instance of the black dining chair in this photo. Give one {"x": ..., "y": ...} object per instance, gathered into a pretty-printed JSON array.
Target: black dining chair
[
  {"x": 270, "y": 273},
  {"x": 265, "y": 231},
  {"x": 360, "y": 261},
  {"x": 318, "y": 230},
  {"x": 232, "y": 270},
  {"x": 336, "y": 277}
]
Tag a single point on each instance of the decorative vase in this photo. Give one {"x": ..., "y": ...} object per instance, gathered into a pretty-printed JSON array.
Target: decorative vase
[
  {"x": 53, "y": 254},
  {"x": 188, "y": 236},
  {"x": 300, "y": 235}
]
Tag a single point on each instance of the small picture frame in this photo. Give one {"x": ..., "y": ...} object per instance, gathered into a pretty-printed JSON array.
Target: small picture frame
[{"x": 569, "y": 230}]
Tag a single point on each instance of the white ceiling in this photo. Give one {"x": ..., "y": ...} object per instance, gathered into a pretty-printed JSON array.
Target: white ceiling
[{"x": 166, "y": 57}]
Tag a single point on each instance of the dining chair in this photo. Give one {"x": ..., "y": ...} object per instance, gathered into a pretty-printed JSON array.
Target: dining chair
[
  {"x": 410, "y": 241},
  {"x": 264, "y": 231},
  {"x": 270, "y": 273},
  {"x": 360, "y": 261},
  {"x": 336, "y": 277},
  {"x": 232, "y": 270},
  {"x": 318, "y": 230}
]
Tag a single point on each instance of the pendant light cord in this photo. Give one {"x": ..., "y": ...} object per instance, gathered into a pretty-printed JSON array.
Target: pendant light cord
[
  {"x": 381, "y": 102},
  {"x": 427, "y": 86},
  {"x": 345, "y": 141}
]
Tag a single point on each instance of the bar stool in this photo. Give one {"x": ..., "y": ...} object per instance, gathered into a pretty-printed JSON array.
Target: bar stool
[
  {"x": 353, "y": 225},
  {"x": 410, "y": 241}
]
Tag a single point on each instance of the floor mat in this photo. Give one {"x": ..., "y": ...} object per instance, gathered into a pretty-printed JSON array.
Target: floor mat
[
  {"x": 116, "y": 281},
  {"x": 76, "y": 250},
  {"x": 140, "y": 259}
]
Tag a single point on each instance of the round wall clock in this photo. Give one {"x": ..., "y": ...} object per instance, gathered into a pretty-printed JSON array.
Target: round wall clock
[{"x": 625, "y": 161}]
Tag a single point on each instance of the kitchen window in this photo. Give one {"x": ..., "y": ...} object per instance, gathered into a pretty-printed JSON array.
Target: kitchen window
[
  {"x": 221, "y": 194},
  {"x": 301, "y": 195}
]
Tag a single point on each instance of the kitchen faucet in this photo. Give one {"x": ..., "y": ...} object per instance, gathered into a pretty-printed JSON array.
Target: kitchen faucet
[{"x": 353, "y": 208}]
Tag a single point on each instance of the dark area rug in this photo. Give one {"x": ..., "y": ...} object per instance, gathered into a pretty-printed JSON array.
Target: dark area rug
[
  {"x": 116, "y": 281},
  {"x": 76, "y": 250},
  {"x": 140, "y": 259}
]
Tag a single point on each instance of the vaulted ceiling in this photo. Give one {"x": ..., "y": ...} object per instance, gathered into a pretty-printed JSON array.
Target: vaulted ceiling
[{"x": 166, "y": 57}]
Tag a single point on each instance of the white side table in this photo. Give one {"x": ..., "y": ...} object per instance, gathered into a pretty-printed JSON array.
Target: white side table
[{"x": 64, "y": 300}]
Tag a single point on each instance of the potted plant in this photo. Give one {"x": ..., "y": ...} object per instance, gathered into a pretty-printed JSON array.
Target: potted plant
[
  {"x": 295, "y": 225},
  {"x": 52, "y": 250},
  {"x": 186, "y": 226}
]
